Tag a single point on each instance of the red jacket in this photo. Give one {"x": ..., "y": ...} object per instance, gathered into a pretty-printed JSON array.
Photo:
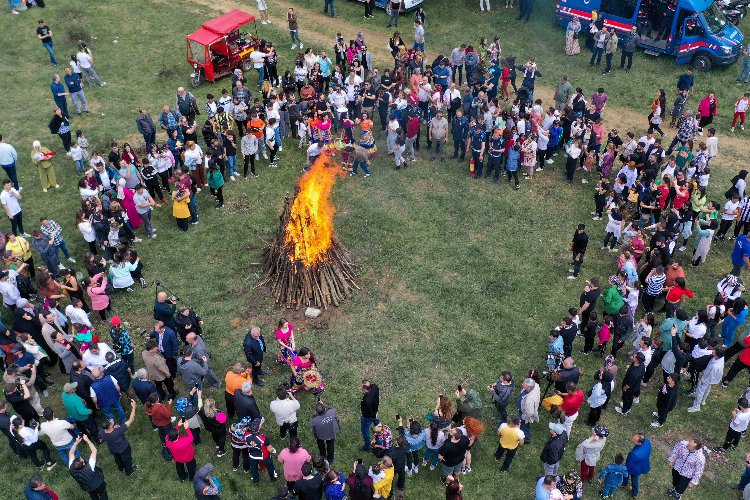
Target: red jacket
[
  {"x": 412, "y": 127},
  {"x": 745, "y": 354},
  {"x": 182, "y": 449},
  {"x": 572, "y": 402}
]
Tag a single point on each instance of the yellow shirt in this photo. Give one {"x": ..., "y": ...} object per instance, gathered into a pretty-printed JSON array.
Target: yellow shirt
[
  {"x": 19, "y": 248},
  {"x": 384, "y": 486},
  {"x": 510, "y": 437},
  {"x": 180, "y": 208}
]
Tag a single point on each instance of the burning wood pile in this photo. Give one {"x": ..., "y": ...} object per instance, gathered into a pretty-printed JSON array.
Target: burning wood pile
[{"x": 305, "y": 264}]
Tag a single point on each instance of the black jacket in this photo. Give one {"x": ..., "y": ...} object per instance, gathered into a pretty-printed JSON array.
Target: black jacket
[
  {"x": 119, "y": 370},
  {"x": 667, "y": 401},
  {"x": 634, "y": 377},
  {"x": 554, "y": 448},
  {"x": 245, "y": 405},
  {"x": 254, "y": 348},
  {"x": 370, "y": 402},
  {"x": 164, "y": 312},
  {"x": 580, "y": 242}
]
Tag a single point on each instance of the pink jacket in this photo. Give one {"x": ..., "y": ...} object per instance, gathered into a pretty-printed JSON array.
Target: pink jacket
[
  {"x": 705, "y": 107},
  {"x": 98, "y": 294},
  {"x": 182, "y": 449}
]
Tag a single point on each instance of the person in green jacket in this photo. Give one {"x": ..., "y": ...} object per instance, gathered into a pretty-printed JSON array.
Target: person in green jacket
[
  {"x": 77, "y": 410},
  {"x": 612, "y": 298},
  {"x": 216, "y": 184}
]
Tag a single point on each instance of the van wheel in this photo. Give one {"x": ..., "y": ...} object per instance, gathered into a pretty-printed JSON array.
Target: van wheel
[
  {"x": 247, "y": 65},
  {"x": 195, "y": 81},
  {"x": 702, "y": 62}
]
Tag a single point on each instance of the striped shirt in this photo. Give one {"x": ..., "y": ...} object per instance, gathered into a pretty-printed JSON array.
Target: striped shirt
[
  {"x": 655, "y": 284},
  {"x": 745, "y": 209}
]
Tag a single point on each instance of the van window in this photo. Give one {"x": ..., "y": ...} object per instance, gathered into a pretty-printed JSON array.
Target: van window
[
  {"x": 713, "y": 20},
  {"x": 620, "y": 8}
]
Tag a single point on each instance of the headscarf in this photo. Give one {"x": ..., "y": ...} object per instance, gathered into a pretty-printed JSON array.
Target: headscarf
[
  {"x": 473, "y": 400},
  {"x": 570, "y": 488}
]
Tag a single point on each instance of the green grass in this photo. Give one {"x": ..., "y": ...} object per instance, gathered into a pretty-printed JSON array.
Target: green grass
[{"x": 459, "y": 279}]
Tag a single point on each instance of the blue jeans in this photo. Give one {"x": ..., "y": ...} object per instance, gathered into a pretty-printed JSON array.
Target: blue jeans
[
  {"x": 232, "y": 165},
  {"x": 431, "y": 456},
  {"x": 79, "y": 166},
  {"x": 193, "y": 207},
  {"x": 269, "y": 467},
  {"x": 745, "y": 72},
  {"x": 526, "y": 429},
  {"x": 420, "y": 47},
  {"x": 260, "y": 76},
  {"x": 10, "y": 170},
  {"x": 325, "y": 8},
  {"x": 115, "y": 407},
  {"x": 365, "y": 424},
  {"x": 51, "y": 49},
  {"x": 63, "y": 450},
  {"x": 360, "y": 163},
  {"x": 633, "y": 480},
  {"x": 64, "y": 247},
  {"x": 596, "y": 55}
]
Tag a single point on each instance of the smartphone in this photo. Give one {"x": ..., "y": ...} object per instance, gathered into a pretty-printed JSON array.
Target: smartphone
[
  {"x": 459, "y": 388},
  {"x": 398, "y": 416}
]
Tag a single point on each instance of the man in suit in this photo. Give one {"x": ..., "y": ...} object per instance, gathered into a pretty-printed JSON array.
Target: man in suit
[
  {"x": 164, "y": 309},
  {"x": 255, "y": 345},
  {"x": 166, "y": 340}
]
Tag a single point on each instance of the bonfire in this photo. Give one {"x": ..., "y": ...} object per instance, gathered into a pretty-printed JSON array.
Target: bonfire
[{"x": 305, "y": 264}]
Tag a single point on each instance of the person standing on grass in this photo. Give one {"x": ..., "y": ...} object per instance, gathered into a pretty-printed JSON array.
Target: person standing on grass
[
  {"x": 525, "y": 7},
  {"x": 292, "y": 458},
  {"x": 438, "y": 133},
  {"x": 57, "y": 431},
  {"x": 578, "y": 248},
  {"x": 59, "y": 125},
  {"x": 631, "y": 383},
  {"x": 117, "y": 443},
  {"x": 628, "y": 49},
  {"x": 182, "y": 450},
  {"x": 740, "y": 110},
  {"x": 554, "y": 448},
  {"x": 10, "y": 198},
  {"x": 666, "y": 399},
  {"x": 396, "y": 7},
  {"x": 687, "y": 462},
  {"x": 589, "y": 451},
  {"x": 263, "y": 10},
  {"x": 711, "y": 376},
  {"x": 44, "y": 34},
  {"x": 610, "y": 47},
  {"x": 59, "y": 94},
  {"x": 53, "y": 231},
  {"x": 254, "y": 346},
  {"x": 369, "y": 410},
  {"x": 144, "y": 204},
  {"x": 511, "y": 437},
  {"x": 637, "y": 463},
  {"x": 259, "y": 450},
  {"x": 737, "y": 426},
  {"x": 75, "y": 91},
  {"x": 502, "y": 390},
  {"x": 85, "y": 61},
  {"x": 284, "y": 408},
  {"x": 8, "y": 159},
  {"x": 325, "y": 427},
  {"x": 572, "y": 400},
  {"x": 291, "y": 18},
  {"x": 326, "y": 5},
  {"x": 88, "y": 475}
]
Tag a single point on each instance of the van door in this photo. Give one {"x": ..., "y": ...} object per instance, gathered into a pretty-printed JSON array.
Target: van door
[{"x": 689, "y": 40}]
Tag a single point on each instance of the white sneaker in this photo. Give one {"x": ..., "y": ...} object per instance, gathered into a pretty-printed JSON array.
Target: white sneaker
[
  {"x": 693, "y": 409},
  {"x": 71, "y": 259},
  {"x": 655, "y": 424},
  {"x": 681, "y": 249},
  {"x": 103, "y": 84},
  {"x": 265, "y": 156},
  {"x": 153, "y": 236},
  {"x": 550, "y": 161},
  {"x": 57, "y": 186},
  {"x": 584, "y": 181},
  {"x": 197, "y": 190},
  {"x": 138, "y": 240},
  {"x": 570, "y": 270},
  {"x": 571, "y": 277},
  {"x": 538, "y": 169},
  {"x": 732, "y": 129},
  {"x": 44, "y": 190},
  {"x": 294, "y": 46},
  {"x": 742, "y": 127},
  {"x": 61, "y": 267},
  {"x": 654, "y": 414},
  {"x": 416, "y": 469},
  {"x": 281, "y": 148},
  {"x": 45, "y": 393},
  {"x": 301, "y": 45},
  {"x": 636, "y": 400},
  {"x": 231, "y": 177}
]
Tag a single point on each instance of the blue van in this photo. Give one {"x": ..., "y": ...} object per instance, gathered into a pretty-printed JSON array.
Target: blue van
[{"x": 690, "y": 30}]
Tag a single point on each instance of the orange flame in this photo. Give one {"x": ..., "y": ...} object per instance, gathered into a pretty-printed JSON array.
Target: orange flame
[{"x": 310, "y": 228}]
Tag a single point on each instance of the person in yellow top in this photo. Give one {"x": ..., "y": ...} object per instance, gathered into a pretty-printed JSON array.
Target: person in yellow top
[
  {"x": 382, "y": 477},
  {"x": 40, "y": 156},
  {"x": 511, "y": 437},
  {"x": 20, "y": 249},
  {"x": 180, "y": 209}
]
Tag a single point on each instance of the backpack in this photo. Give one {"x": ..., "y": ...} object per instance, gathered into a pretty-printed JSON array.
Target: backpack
[{"x": 254, "y": 446}]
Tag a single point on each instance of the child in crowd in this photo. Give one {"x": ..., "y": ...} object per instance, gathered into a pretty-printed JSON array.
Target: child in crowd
[
  {"x": 612, "y": 476},
  {"x": 76, "y": 154},
  {"x": 605, "y": 333}
]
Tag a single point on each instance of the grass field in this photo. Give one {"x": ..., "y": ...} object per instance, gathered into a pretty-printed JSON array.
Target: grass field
[{"x": 460, "y": 279}]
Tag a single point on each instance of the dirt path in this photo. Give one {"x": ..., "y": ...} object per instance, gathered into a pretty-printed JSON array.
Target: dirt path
[{"x": 733, "y": 148}]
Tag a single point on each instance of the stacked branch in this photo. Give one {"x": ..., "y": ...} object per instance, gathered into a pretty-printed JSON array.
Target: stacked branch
[{"x": 295, "y": 285}]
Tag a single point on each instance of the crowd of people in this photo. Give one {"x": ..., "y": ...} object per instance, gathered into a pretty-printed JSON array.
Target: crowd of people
[{"x": 654, "y": 201}]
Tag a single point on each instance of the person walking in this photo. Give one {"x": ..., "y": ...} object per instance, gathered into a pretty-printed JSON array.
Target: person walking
[
  {"x": 631, "y": 383},
  {"x": 44, "y": 34},
  {"x": 369, "y": 410},
  {"x": 325, "y": 427},
  {"x": 117, "y": 442},
  {"x": 259, "y": 450},
  {"x": 88, "y": 475},
  {"x": 687, "y": 462},
  {"x": 59, "y": 125},
  {"x": 291, "y": 18}
]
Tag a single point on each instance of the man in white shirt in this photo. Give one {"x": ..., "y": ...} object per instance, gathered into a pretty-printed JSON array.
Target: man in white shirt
[
  {"x": 76, "y": 314},
  {"x": 94, "y": 357},
  {"x": 10, "y": 198},
  {"x": 338, "y": 100},
  {"x": 728, "y": 214},
  {"x": 284, "y": 408},
  {"x": 8, "y": 288},
  {"x": 257, "y": 57},
  {"x": 737, "y": 426},
  {"x": 8, "y": 159},
  {"x": 352, "y": 83},
  {"x": 57, "y": 430},
  {"x": 313, "y": 152},
  {"x": 647, "y": 140}
]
